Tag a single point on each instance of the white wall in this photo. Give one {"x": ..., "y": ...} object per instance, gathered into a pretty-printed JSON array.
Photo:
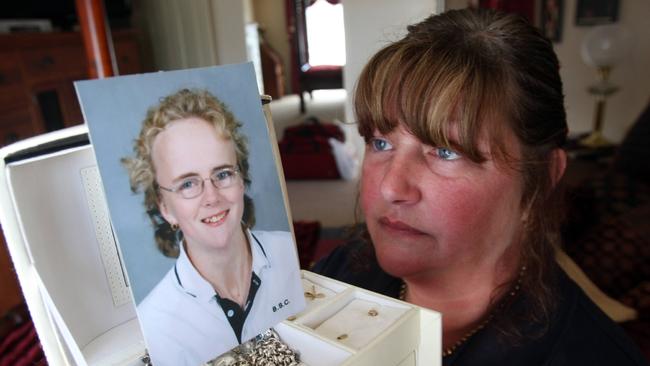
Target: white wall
[{"x": 371, "y": 24}]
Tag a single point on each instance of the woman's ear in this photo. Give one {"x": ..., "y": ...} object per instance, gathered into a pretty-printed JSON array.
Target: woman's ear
[
  {"x": 558, "y": 165},
  {"x": 166, "y": 213}
]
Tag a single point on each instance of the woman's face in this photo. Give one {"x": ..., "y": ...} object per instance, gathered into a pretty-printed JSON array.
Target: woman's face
[
  {"x": 192, "y": 147},
  {"x": 428, "y": 209}
]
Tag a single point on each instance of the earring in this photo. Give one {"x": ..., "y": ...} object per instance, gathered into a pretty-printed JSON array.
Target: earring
[{"x": 174, "y": 227}]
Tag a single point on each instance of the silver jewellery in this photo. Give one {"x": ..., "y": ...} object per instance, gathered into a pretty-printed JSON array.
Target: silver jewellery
[
  {"x": 264, "y": 350},
  {"x": 193, "y": 186}
]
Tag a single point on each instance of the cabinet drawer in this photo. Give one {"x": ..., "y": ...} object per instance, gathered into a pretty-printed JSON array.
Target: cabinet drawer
[
  {"x": 9, "y": 69},
  {"x": 12, "y": 92},
  {"x": 127, "y": 57},
  {"x": 49, "y": 63}
]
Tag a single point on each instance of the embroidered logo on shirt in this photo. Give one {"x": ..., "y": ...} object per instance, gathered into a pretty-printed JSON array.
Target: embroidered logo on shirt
[{"x": 280, "y": 305}]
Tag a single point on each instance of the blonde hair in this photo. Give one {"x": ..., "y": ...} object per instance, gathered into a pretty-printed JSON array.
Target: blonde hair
[
  {"x": 183, "y": 104},
  {"x": 489, "y": 72}
]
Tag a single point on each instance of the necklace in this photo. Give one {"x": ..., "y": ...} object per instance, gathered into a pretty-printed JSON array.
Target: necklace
[{"x": 511, "y": 294}]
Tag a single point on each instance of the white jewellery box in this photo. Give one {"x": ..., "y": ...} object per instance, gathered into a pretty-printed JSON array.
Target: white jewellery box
[
  {"x": 347, "y": 325},
  {"x": 58, "y": 231}
]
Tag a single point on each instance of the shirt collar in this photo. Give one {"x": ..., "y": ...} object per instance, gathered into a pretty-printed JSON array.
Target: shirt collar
[
  {"x": 191, "y": 282},
  {"x": 260, "y": 260}
]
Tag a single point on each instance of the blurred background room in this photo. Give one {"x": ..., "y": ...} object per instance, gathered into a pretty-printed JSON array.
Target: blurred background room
[{"x": 308, "y": 54}]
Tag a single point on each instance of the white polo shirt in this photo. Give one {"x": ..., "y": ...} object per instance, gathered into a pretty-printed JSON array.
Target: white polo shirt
[{"x": 183, "y": 323}]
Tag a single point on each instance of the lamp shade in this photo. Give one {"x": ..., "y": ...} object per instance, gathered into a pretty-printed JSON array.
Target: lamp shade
[{"x": 605, "y": 45}]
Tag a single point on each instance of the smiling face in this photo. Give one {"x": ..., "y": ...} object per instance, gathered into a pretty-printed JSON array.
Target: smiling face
[
  {"x": 192, "y": 147},
  {"x": 429, "y": 209}
]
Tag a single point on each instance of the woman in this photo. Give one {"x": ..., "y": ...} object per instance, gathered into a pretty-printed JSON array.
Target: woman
[
  {"x": 464, "y": 122},
  {"x": 191, "y": 161}
]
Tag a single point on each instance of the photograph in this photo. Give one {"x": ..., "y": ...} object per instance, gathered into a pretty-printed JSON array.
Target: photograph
[
  {"x": 196, "y": 205},
  {"x": 595, "y": 12}
]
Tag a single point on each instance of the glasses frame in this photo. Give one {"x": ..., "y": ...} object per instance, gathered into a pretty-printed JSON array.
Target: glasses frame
[{"x": 179, "y": 190}]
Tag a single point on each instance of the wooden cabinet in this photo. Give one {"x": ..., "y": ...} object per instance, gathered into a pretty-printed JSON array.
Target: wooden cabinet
[
  {"x": 37, "y": 95},
  {"x": 37, "y": 71}
]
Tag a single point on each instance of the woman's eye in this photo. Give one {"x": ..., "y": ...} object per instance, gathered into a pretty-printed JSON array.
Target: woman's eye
[
  {"x": 223, "y": 174},
  {"x": 379, "y": 144},
  {"x": 447, "y": 154},
  {"x": 188, "y": 184}
]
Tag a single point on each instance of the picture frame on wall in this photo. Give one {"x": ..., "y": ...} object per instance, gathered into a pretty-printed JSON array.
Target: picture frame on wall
[
  {"x": 552, "y": 15},
  {"x": 596, "y": 12}
]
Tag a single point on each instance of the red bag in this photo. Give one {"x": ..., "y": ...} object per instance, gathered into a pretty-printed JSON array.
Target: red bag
[
  {"x": 306, "y": 153},
  {"x": 311, "y": 128}
]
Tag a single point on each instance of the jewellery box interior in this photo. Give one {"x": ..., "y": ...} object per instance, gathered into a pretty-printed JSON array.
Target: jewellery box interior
[{"x": 55, "y": 219}]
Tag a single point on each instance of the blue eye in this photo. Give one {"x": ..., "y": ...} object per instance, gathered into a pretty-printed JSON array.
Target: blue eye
[
  {"x": 223, "y": 174},
  {"x": 189, "y": 184},
  {"x": 379, "y": 144},
  {"x": 447, "y": 154}
]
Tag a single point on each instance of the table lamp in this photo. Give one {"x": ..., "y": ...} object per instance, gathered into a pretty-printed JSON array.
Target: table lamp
[{"x": 603, "y": 47}]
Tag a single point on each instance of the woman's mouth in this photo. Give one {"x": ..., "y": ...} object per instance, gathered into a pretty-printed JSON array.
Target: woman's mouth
[
  {"x": 217, "y": 219},
  {"x": 398, "y": 227}
]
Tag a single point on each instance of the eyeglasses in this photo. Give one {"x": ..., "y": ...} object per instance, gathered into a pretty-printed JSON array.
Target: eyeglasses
[{"x": 193, "y": 186}]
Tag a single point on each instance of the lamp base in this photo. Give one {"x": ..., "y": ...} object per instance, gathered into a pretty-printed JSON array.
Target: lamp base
[{"x": 595, "y": 139}]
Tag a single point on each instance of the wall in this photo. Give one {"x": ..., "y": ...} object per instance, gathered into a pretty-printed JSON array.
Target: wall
[
  {"x": 632, "y": 75},
  {"x": 271, "y": 17},
  {"x": 371, "y": 24}
]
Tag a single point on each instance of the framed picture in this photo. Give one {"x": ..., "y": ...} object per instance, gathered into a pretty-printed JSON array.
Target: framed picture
[
  {"x": 196, "y": 205},
  {"x": 552, "y": 16},
  {"x": 595, "y": 12}
]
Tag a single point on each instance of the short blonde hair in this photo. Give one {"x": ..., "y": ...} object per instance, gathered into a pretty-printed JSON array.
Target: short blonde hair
[{"x": 185, "y": 103}]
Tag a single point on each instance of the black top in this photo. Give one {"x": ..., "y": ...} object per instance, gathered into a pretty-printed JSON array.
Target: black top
[
  {"x": 235, "y": 314},
  {"x": 579, "y": 333}
]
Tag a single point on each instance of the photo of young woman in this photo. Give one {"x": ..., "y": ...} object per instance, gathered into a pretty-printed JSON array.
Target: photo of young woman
[{"x": 227, "y": 281}]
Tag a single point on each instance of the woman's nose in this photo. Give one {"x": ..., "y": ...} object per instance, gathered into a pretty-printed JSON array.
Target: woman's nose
[
  {"x": 399, "y": 183},
  {"x": 211, "y": 194}
]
